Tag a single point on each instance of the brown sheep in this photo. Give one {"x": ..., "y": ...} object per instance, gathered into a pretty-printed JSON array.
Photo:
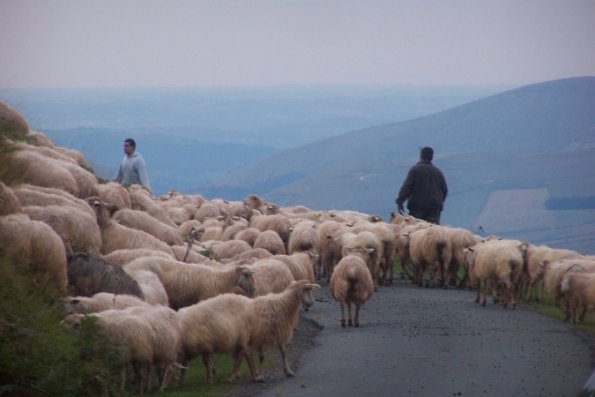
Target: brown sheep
[{"x": 143, "y": 221}]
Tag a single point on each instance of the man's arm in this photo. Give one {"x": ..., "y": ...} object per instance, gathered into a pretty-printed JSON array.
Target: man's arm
[
  {"x": 119, "y": 175},
  {"x": 405, "y": 189},
  {"x": 143, "y": 176}
]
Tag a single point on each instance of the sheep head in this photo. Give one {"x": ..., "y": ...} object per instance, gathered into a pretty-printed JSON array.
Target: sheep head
[{"x": 245, "y": 279}]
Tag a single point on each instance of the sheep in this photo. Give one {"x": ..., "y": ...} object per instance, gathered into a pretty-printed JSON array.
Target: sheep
[
  {"x": 430, "y": 247},
  {"x": 125, "y": 255},
  {"x": 115, "y": 236},
  {"x": 367, "y": 246},
  {"x": 386, "y": 235},
  {"x": 249, "y": 257},
  {"x": 143, "y": 221},
  {"x": 248, "y": 235},
  {"x": 131, "y": 335},
  {"x": 229, "y": 249},
  {"x": 459, "y": 240},
  {"x": 74, "y": 155},
  {"x": 153, "y": 290},
  {"x": 27, "y": 166},
  {"x": 300, "y": 264},
  {"x": 351, "y": 283},
  {"x": 255, "y": 203},
  {"x": 101, "y": 301},
  {"x": 230, "y": 232},
  {"x": 206, "y": 211},
  {"x": 9, "y": 203},
  {"x": 555, "y": 272},
  {"x": 90, "y": 274},
  {"x": 499, "y": 262},
  {"x": 537, "y": 256},
  {"x": 187, "y": 284},
  {"x": 85, "y": 180},
  {"x": 186, "y": 227},
  {"x": 78, "y": 230},
  {"x": 304, "y": 237},
  {"x": 329, "y": 233},
  {"x": 403, "y": 231},
  {"x": 240, "y": 209},
  {"x": 166, "y": 339},
  {"x": 114, "y": 194},
  {"x": 221, "y": 324},
  {"x": 141, "y": 199},
  {"x": 580, "y": 288},
  {"x": 270, "y": 275},
  {"x": 271, "y": 241},
  {"x": 40, "y": 139},
  {"x": 192, "y": 255},
  {"x": 277, "y": 223},
  {"x": 34, "y": 242},
  {"x": 29, "y": 195},
  {"x": 277, "y": 317}
]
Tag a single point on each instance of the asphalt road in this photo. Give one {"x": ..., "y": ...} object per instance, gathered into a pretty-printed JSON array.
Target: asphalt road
[{"x": 433, "y": 342}]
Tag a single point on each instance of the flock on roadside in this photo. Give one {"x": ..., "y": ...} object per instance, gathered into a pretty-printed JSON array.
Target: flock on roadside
[{"x": 172, "y": 278}]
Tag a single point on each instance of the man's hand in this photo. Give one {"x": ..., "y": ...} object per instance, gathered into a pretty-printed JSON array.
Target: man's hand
[{"x": 401, "y": 209}]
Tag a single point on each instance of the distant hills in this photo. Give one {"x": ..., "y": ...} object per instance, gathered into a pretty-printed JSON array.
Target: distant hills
[{"x": 517, "y": 164}]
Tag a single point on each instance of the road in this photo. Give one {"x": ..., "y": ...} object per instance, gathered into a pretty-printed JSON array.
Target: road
[{"x": 432, "y": 342}]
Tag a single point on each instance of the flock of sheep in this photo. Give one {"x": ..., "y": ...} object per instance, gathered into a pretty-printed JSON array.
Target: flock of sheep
[{"x": 177, "y": 277}]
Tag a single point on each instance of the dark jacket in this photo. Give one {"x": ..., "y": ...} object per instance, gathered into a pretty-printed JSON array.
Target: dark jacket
[{"x": 424, "y": 188}]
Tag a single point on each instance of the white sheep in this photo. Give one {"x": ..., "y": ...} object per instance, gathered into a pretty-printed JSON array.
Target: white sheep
[
  {"x": 30, "y": 195},
  {"x": 187, "y": 284},
  {"x": 221, "y": 324},
  {"x": 153, "y": 290},
  {"x": 141, "y": 199},
  {"x": 229, "y": 249},
  {"x": 351, "y": 283},
  {"x": 300, "y": 264},
  {"x": 277, "y": 223},
  {"x": 430, "y": 248},
  {"x": 77, "y": 229},
  {"x": 206, "y": 211},
  {"x": 304, "y": 237},
  {"x": 498, "y": 263},
  {"x": 35, "y": 242},
  {"x": 270, "y": 275},
  {"x": 329, "y": 235},
  {"x": 367, "y": 246},
  {"x": 459, "y": 240},
  {"x": 555, "y": 272},
  {"x": 123, "y": 256},
  {"x": 114, "y": 194},
  {"x": 277, "y": 317},
  {"x": 270, "y": 241},
  {"x": 580, "y": 290},
  {"x": 537, "y": 257},
  {"x": 115, "y": 236},
  {"x": 100, "y": 302},
  {"x": 143, "y": 221},
  {"x": 248, "y": 235}
]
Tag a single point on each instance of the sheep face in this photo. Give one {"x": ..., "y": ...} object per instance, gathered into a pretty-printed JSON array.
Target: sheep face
[
  {"x": 308, "y": 295},
  {"x": 246, "y": 280}
]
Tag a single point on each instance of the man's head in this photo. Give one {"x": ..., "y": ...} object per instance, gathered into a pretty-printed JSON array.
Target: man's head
[
  {"x": 129, "y": 146},
  {"x": 427, "y": 153}
]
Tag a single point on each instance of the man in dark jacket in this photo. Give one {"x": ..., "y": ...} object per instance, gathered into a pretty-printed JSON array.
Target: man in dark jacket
[{"x": 424, "y": 189}]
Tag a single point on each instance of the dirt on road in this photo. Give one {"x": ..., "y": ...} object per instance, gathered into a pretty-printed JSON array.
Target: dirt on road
[{"x": 430, "y": 342}]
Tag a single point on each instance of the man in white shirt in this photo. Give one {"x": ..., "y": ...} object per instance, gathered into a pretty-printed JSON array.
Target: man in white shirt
[{"x": 132, "y": 168}]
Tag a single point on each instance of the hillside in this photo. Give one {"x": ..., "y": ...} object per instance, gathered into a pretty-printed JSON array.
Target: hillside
[{"x": 540, "y": 136}]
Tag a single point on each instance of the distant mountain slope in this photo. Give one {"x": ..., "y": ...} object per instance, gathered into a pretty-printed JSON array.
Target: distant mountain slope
[{"x": 538, "y": 136}]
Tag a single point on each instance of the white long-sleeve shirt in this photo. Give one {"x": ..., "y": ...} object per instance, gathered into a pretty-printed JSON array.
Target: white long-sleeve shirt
[{"x": 133, "y": 171}]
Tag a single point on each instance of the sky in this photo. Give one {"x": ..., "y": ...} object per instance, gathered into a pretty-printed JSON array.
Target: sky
[{"x": 183, "y": 43}]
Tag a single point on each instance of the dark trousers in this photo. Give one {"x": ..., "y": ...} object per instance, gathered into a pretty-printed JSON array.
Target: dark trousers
[{"x": 431, "y": 215}]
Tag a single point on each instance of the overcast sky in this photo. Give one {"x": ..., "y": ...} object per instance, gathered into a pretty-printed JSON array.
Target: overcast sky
[{"x": 73, "y": 43}]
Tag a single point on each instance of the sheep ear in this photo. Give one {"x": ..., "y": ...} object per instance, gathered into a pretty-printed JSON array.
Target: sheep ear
[
  {"x": 75, "y": 301},
  {"x": 370, "y": 250},
  {"x": 313, "y": 287}
]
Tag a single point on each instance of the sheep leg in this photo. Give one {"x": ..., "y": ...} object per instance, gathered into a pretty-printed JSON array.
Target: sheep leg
[
  {"x": 357, "y": 307},
  {"x": 208, "y": 361},
  {"x": 478, "y": 289},
  {"x": 288, "y": 372},
  {"x": 483, "y": 288},
  {"x": 342, "y": 314},
  {"x": 250, "y": 360},
  {"x": 350, "y": 321},
  {"x": 183, "y": 372},
  {"x": 237, "y": 360}
]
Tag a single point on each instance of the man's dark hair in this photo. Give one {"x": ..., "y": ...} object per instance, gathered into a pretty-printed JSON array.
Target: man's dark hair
[
  {"x": 427, "y": 153},
  {"x": 131, "y": 142}
]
